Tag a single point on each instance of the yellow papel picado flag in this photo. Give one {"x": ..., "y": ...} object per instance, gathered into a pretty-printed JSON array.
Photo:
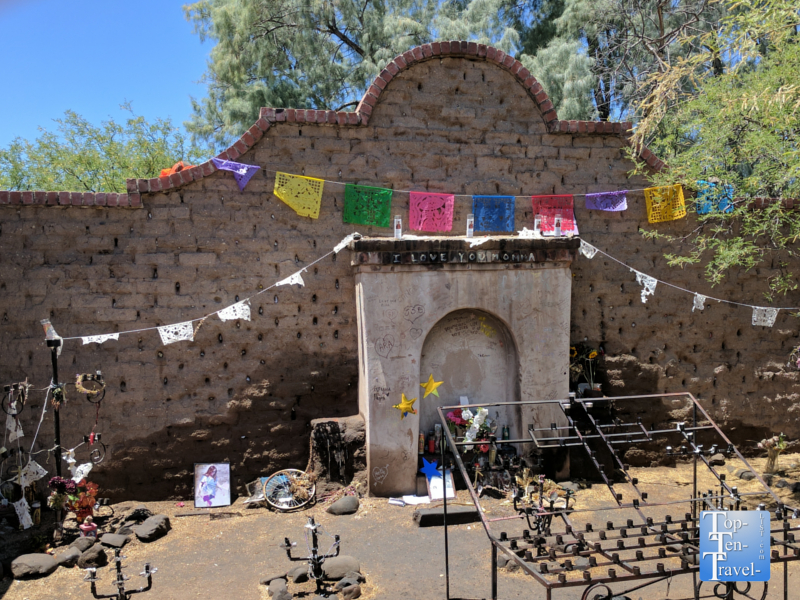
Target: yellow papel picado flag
[
  {"x": 665, "y": 203},
  {"x": 302, "y": 194}
]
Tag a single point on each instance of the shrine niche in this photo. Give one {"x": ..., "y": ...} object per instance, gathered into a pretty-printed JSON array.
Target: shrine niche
[{"x": 491, "y": 323}]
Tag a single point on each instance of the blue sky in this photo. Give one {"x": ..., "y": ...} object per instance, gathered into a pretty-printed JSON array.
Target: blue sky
[{"x": 91, "y": 56}]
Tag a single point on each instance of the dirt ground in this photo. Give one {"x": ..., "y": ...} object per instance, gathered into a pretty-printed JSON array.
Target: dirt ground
[{"x": 227, "y": 557}]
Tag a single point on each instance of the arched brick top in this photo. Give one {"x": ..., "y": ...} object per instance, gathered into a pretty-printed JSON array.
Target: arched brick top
[{"x": 359, "y": 117}]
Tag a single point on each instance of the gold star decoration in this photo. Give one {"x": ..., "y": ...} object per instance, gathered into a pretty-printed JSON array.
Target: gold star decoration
[
  {"x": 406, "y": 406},
  {"x": 430, "y": 387}
]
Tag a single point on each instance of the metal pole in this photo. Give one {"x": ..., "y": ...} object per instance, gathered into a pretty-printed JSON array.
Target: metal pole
[
  {"x": 444, "y": 520},
  {"x": 494, "y": 571},
  {"x": 54, "y": 345}
]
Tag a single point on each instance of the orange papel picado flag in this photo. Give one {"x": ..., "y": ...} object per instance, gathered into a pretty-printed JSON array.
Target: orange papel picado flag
[
  {"x": 665, "y": 203},
  {"x": 302, "y": 194}
]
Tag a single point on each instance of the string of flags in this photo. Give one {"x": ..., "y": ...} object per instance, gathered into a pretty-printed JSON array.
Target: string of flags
[
  {"x": 763, "y": 316},
  {"x": 186, "y": 331}
]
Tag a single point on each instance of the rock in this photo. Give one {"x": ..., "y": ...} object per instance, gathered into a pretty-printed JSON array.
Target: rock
[
  {"x": 267, "y": 580},
  {"x": 782, "y": 483},
  {"x": 339, "y": 566},
  {"x": 502, "y": 561},
  {"x": 795, "y": 487},
  {"x": 299, "y": 574},
  {"x": 126, "y": 529},
  {"x": 570, "y": 485},
  {"x": 283, "y": 595},
  {"x": 93, "y": 557},
  {"x": 351, "y": 592},
  {"x": 768, "y": 477},
  {"x": 114, "y": 540},
  {"x": 277, "y": 585},
  {"x": 346, "y": 505},
  {"x": 511, "y": 566},
  {"x": 718, "y": 460},
  {"x": 153, "y": 528},
  {"x": 346, "y": 582},
  {"x": 744, "y": 474},
  {"x": 456, "y": 515},
  {"x": 31, "y": 566},
  {"x": 69, "y": 558},
  {"x": 138, "y": 514},
  {"x": 581, "y": 562},
  {"x": 355, "y": 575},
  {"x": 83, "y": 543}
]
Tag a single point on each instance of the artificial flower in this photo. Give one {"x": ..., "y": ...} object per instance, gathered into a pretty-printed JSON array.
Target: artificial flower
[{"x": 592, "y": 355}]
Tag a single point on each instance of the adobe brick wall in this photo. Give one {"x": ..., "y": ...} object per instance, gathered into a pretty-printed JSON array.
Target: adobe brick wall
[{"x": 246, "y": 392}]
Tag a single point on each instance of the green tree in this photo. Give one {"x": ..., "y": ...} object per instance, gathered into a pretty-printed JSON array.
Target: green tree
[
  {"x": 80, "y": 156},
  {"x": 737, "y": 125}
]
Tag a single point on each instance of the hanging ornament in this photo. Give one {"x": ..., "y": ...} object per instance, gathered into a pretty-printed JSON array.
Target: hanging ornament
[
  {"x": 99, "y": 339},
  {"x": 347, "y": 239},
  {"x": 548, "y": 207},
  {"x": 405, "y": 407},
  {"x": 240, "y": 310},
  {"x": 30, "y": 473},
  {"x": 301, "y": 194},
  {"x": 241, "y": 172},
  {"x": 431, "y": 212},
  {"x": 291, "y": 280},
  {"x": 608, "y": 201},
  {"x": 648, "y": 284},
  {"x": 176, "y": 333},
  {"x": 665, "y": 203},
  {"x": 14, "y": 427},
  {"x": 588, "y": 250},
  {"x": 699, "y": 302},
  {"x": 764, "y": 316},
  {"x": 23, "y": 513},
  {"x": 712, "y": 197},
  {"x": 364, "y": 205},
  {"x": 430, "y": 387},
  {"x": 493, "y": 213}
]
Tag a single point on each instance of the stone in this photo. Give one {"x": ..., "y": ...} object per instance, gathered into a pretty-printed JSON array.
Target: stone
[
  {"x": 346, "y": 505},
  {"x": 83, "y": 543},
  {"x": 581, "y": 562},
  {"x": 31, "y": 566},
  {"x": 795, "y": 487},
  {"x": 299, "y": 574},
  {"x": 345, "y": 582},
  {"x": 277, "y": 585},
  {"x": 502, "y": 560},
  {"x": 153, "y": 528},
  {"x": 93, "y": 557},
  {"x": 69, "y": 558},
  {"x": 351, "y": 592},
  {"x": 356, "y": 576},
  {"x": 339, "y": 566},
  {"x": 782, "y": 483},
  {"x": 768, "y": 477},
  {"x": 570, "y": 485},
  {"x": 138, "y": 514},
  {"x": 747, "y": 476},
  {"x": 114, "y": 540},
  {"x": 718, "y": 460},
  {"x": 268, "y": 580},
  {"x": 126, "y": 529}
]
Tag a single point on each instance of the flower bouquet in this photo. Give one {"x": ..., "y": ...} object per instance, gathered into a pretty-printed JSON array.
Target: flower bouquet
[
  {"x": 68, "y": 495},
  {"x": 774, "y": 446}
]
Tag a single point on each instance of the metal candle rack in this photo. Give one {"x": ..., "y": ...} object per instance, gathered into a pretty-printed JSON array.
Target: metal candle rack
[
  {"x": 121, "y": 578},
  {"x": 645, "y": 546},
  {"x": 314, "y": 559}
]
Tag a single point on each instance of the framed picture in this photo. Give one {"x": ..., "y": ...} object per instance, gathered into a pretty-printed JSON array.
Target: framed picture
[
  {"x": 212, "y": 485},
  {"x": 437, "y": 486}
]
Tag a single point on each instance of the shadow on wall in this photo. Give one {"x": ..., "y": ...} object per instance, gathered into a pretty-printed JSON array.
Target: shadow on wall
[{"x": 257, "y": 435}]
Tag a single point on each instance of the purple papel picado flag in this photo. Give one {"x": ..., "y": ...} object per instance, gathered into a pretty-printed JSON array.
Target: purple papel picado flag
[{"x": 240, "y": 171}]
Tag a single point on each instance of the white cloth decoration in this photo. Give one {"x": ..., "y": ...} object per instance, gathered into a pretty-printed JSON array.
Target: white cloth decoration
[
  {"x": 50, "y": 334},
  {"x": 296, "y": 278},
  {"x": 240, "y": 310},
  {"x": 699, "y": 302},
  {"x": 478, "y": 241},
  {"x": 30, "y": 473},
  {"x": 176, "y": 333},
  {"x": 764, "y": 316},
  {"x": 14, "y": 427},
  {"x": 99, "y": 339},
  {"x": 343, "y": 244},
  {"x": 80, "y": 472},
  {"x": 648, "y": 283},
  {"x": 528, "y": 233},
  {"x": 23, "y": 513},
  {"x": 588, "y": 250}
]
